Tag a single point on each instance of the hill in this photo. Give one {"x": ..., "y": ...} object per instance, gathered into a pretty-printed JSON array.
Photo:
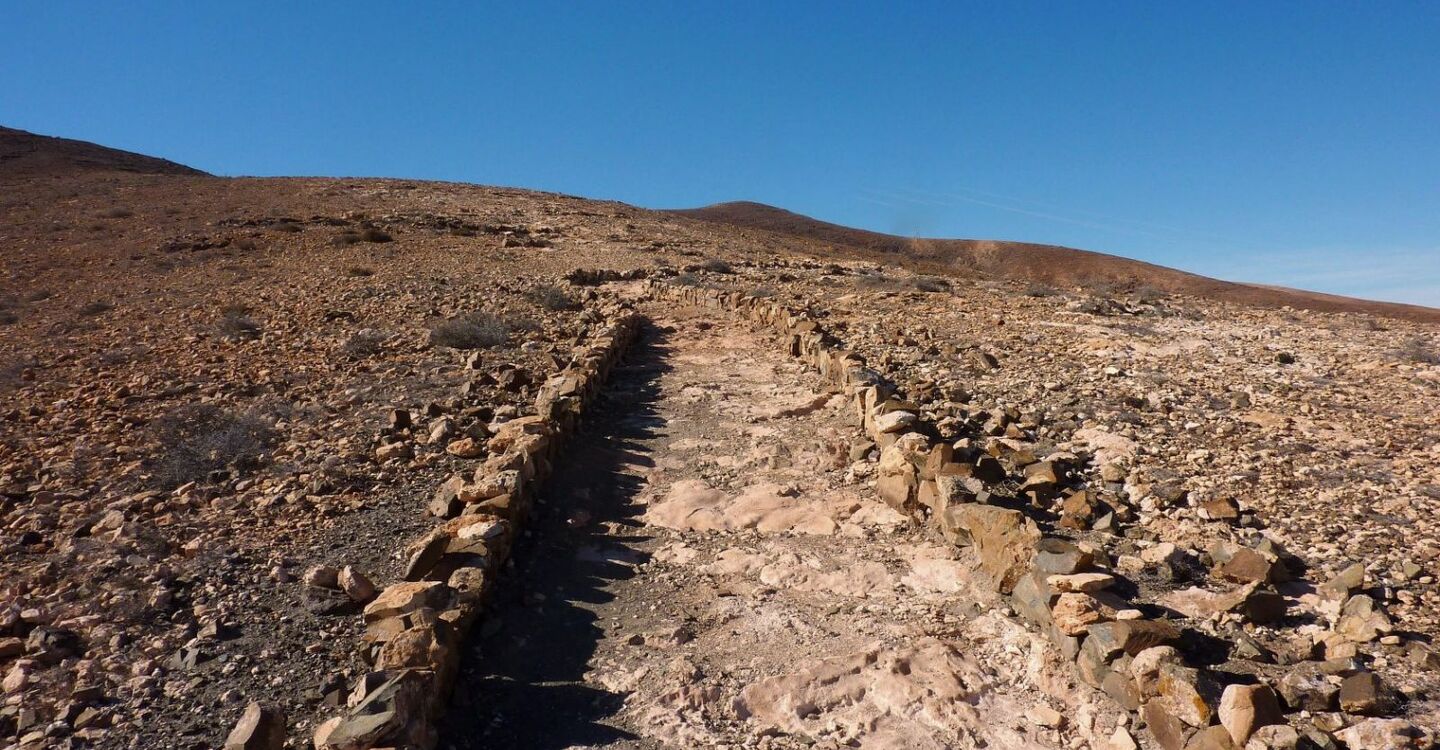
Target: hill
[
  {"x": 567, "y": 472},
  {"x": 1050, "y": 265},
  {"x": 27, "y": 155}
]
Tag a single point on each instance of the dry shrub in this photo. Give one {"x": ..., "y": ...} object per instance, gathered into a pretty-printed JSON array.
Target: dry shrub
[
  {"x": 236, "y": 323},
  {"x": 477, "y": 330},
  {"x": 371, "y": 234},
  {"x": 363, "y": 345},
  {"x": 91, "y": 309},
  {"x": 1419, "y": 351},
  {"x": 194, "y": 440},
  {"x": 716, "y": 265},
  {"x": 1147, "y": 295},
  {"x": 931, "y": 284},
  {"x": 552, "y": 298}
]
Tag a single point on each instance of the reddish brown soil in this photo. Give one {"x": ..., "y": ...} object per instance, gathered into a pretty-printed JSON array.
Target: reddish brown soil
[{"x": 24, "y": 154}]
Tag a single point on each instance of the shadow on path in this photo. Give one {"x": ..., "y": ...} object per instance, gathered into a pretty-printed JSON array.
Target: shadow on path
[{"x": 520, "y": 683}]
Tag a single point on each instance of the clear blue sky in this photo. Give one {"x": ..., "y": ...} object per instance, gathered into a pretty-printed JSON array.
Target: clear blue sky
[{"x": 1288, "y": 143}]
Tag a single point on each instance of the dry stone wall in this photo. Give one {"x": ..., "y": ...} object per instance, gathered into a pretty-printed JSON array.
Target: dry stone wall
[
  {"x": 414, "y": 627},
  {"x": 1172, "y": 686}
]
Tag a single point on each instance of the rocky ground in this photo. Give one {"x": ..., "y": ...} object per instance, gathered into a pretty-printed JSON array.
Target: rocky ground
[
  {"x": 211, "y": 388},
  {"x": 710, "y": 562}
]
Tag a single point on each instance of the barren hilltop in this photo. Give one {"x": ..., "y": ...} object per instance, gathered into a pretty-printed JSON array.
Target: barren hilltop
[
  {"x": 1025, "y": 261},
  {"x": 363, "y": 463}
]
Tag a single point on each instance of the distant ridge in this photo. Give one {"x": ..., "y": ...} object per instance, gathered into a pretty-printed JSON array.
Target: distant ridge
[
  {"x": 27, "y": 155},
  {"x": 1051, "y": 265}
]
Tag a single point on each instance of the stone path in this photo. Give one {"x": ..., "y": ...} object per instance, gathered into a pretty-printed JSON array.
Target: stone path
[{"x": 708, "y": 569}]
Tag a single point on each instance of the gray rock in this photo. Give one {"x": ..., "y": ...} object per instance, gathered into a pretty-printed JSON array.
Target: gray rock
[{"x": 1306, "y": 688}]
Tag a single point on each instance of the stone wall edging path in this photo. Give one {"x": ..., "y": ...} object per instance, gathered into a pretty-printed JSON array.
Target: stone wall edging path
[
  {"x": 414, "y": 628},
  {"x": 1124, "y": 649}
]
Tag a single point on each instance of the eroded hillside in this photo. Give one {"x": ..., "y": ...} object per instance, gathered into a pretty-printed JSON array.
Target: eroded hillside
[{"x": 258, "y": 438}]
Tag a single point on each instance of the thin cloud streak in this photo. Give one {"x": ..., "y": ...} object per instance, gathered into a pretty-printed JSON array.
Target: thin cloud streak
[
  {"x": 1103, "y": 217},
  {"x": 1396, "y": 274},
  {"x": 951, "y": 202}
]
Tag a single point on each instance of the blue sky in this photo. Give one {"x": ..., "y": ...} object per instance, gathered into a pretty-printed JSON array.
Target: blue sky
[{"x": 1285, "y": 143}]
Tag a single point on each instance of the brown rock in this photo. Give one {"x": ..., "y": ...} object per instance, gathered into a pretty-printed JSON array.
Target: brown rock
[
  {"x": 1040, "y": 480},
  {"x": 1121, "y": 739},
  {"x": 1121, "y": 688},
  {"x": 446, "y": 501},
  {"x": 1132, "y": 636},
  {"x": 1381, "y": 734},
  {"x": 1146, "y": 666},
  {"x": 466, "y": 448},
  {"x": 1249, "y": 566},
  {"x": 1088, "y": 583},
  {"x": 356, "y": 585},
  {"x": 1274, "y": 737},
  {"x": 11, "y": 647},
  {"x": 1168, "y": 731},
  {"x": 897, "y": 480},
  {"x": 1211, "y": 738},
  {"x": 1033, "y": 598},
  {"x": 1363, "y": 693},
  {"x": 322, "y": 576},
  {"x": 425, "y": 554},
  {"x": 1220, "y": 509},
  {"x": 1004, "y": 539},
  {"x": 399, "y": 451},
  {"x": 259, "y": 728},
  {"x": 428, "y": 646},
  {"x": 1074, "y": 613},
  {"x": 894, "y": 421},
  {"x": 1306, "y": 688},
  {"x": 1245, "y": 708},
  {"x": 390, "y": 715},
  {"x": 500, "y": 483},
  {"x": 1078, "y": 511},
  {"x": 1361, "y": 621},
  {"x": 1059, "y": 557},
  {"x": 1045, "y": 716},
  {"x": 1189, "y": 694},
  {"x": 1343, "y": 584},
  {"x": 400, "y": 598}
]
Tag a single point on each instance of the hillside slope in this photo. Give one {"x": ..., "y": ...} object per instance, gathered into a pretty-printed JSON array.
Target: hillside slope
[
  {"x": 232, "y": 407},
  {"x": 27, "y": 155},
  {"x": 1042, "y": 264}
]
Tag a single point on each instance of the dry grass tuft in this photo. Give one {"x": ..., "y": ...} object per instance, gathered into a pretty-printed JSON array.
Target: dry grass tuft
[{"x": 477, "y": 330}]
